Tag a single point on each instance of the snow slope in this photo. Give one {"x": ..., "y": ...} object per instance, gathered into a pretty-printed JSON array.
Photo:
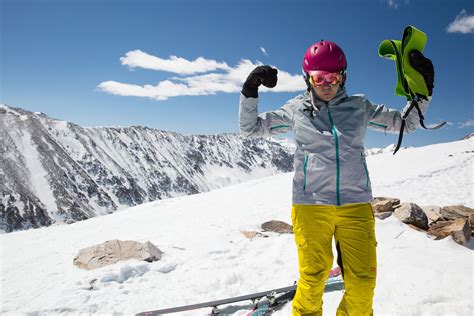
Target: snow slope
[{"x": 206, "y": 257}]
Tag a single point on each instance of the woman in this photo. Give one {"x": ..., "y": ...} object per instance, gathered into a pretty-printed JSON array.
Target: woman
[{"x": 331, "y": 185}]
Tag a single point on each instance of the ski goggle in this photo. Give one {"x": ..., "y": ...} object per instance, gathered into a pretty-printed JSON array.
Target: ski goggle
[{"x": 331, "y": 78}]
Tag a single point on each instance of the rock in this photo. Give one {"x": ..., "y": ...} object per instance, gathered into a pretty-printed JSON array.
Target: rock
[
  {"x": 416, "y": 228},
  {"x": 277, "y": 227},
  {"x": 252, "y": 234},
  {"x": 410, "y": 213},
  {"x": 383, "y": 215},
  {"x": 471, "y": 222},
  {"x": 113, "y": 251},
  {"x": 249, "y": 234},
  {"x": 384, "y": 204},
  {"x": 439, "y": 230},
  {"x": 459, "y": 229},
  {"x": 433, "y": 213},
  {"x": 453, "y": 212},
  {"x": 463, "y": 234}
]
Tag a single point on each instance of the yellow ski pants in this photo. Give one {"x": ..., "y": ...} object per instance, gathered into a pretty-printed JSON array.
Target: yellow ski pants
[{"x": 353, "y": 227}]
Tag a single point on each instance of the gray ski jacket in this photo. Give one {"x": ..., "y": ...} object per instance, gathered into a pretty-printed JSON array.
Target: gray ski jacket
[{"x": 329, "y": 161}]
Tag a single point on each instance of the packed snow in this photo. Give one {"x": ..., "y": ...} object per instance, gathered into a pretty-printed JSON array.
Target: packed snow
[{"x": 206, "y": 256}]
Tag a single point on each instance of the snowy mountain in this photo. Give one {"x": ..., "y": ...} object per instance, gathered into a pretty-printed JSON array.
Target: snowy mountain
[
  {"x": 471, "y": 135},
  {"x": 206, "y": 256},
  {"x": 376, "y": 151},
  {"x": 389, "y": 149},
  {"x": 52, "y": 171}
]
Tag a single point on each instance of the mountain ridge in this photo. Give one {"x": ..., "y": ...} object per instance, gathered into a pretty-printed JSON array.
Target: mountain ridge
[{"x": 55, "y": 171}]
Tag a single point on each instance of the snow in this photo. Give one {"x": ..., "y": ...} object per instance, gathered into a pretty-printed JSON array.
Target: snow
[
  {"x": 388, "y": 149},
  {"x": 426, "y": 175},
  {"x": 38, "y": 175},
  {"x": 11, "y": 111},
  {"x": 207, "y": 257},
  {"x": 220, "y": 176}
]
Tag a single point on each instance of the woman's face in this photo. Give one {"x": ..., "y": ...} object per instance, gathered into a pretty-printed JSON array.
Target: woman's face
[{"x": 326, "y": 91}]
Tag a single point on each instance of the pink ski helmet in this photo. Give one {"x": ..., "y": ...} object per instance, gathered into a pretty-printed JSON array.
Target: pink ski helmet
[{"x": 324, "y": 56}]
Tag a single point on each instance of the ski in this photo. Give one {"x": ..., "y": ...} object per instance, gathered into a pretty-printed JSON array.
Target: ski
[
  {"x": 275, "y": 303},
  {"x": 215, "y": 304},
  {"x": 272, "y": 304},
  {"x": 271, "y": 300}
]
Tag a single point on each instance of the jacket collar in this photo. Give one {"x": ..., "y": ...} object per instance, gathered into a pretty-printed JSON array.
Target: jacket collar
[{"x": 340, "y": 96}]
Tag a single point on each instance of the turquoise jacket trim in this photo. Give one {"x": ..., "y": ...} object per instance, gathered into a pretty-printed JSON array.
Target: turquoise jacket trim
[
  {"x": 378, "y": 124},
  {"x": 280, "y": 126},
  {"x": 305, "y": 167}
]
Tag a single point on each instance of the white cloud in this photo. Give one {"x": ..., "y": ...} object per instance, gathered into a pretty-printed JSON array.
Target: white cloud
[
  {"x": 467, "y": 123},
  {"x": 393, "y": 3},
  {"x": 264, "y": 51},
  {"x": 397, "y": 3},
  {"x": 174, "y": 64},
  {"x": 229, "y": 80},
  {"x": 463, "y": 23},
  {"x": 162, "y": 91}
]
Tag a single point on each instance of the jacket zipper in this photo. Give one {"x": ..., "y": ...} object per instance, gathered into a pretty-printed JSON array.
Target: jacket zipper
[
  {"x": 304, "y": 171},
  {"x": 366, "y": 171},
  {"x": 336, "y": 141}
]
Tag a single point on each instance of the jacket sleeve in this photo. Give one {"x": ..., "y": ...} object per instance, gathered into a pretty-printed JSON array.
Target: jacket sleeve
[
  {"x": 265, "y": 124},
  {"x": 382, "y": 118}
]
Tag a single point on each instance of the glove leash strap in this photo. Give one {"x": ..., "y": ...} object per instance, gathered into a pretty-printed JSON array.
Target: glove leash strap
[
  {"x": 422, "y": 123},
  {"x": 413, "y": 104},
  {"x": 402, "y": 126}
]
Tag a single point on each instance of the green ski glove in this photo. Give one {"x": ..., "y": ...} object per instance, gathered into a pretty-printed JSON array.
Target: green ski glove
[{"x": 410, "y": 81}]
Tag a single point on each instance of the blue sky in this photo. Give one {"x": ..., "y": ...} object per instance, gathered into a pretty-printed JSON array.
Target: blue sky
[{"x": 179, "y": 65}]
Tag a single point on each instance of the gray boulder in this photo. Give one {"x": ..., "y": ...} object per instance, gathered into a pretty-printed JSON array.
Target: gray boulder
[
  {"x": 277, "y": 227},
  {"x": 471, "y": 222},
  {"x": 113, "y": 251},
  {"x": 410, "y": 213}
]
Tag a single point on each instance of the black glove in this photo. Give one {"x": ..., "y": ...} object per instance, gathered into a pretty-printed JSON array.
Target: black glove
[
  {"x": 425, "y": 67},
  {"x": 265, "y": 75}
]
